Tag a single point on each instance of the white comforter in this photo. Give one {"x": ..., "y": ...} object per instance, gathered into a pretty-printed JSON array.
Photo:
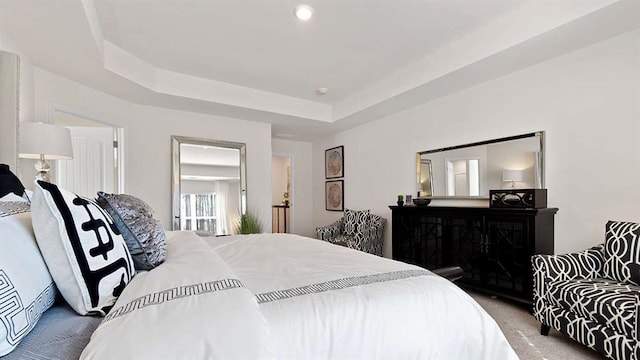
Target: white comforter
[
  {"x": 191, "y": 307},
  {"x": 296, "y": 298},
  {"x": 418, "y": 317}
]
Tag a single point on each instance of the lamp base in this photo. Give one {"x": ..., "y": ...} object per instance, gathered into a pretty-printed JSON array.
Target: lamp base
[{"x": 43, "y": 168}]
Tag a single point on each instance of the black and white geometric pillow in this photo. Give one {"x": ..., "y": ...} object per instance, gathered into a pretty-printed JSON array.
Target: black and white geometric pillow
[
  {"x": 622, "y": 252},
  {"x": 143, "y": 233},
  {"x": 355, "y": 221},
  {"x": 26, "y": 288},
  {"x": 86, "y": 255}
]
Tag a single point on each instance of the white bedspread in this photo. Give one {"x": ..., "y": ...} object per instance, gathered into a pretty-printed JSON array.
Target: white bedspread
[
  {"x": 191, "y": 307},
  {"x": 421, "y": 316},
  {"x": 289, "y": 297}
]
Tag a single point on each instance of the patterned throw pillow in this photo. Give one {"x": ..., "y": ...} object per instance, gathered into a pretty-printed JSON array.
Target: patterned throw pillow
[
  {"x": 26, "y": 288},
  {"x": 86, "y": 255},
  {"x": 142, "y": 232},
  {"x": 622, "y": 252},
  {"x": 355, "y": 221}
]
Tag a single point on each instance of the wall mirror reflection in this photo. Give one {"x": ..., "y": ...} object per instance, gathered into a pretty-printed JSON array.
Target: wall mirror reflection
[
  {"x": 469, "y": 171},
  {"x": 209, "y": 185}
]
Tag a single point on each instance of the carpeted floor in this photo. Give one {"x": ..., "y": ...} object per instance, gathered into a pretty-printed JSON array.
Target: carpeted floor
[{"x": 523, "y": 333}]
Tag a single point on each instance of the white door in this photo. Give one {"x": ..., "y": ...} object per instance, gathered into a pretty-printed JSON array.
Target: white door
[{"x": 92, "y": 168}]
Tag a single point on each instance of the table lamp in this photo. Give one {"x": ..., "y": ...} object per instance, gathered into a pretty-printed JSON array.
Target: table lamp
[
  {"x": 44, "y": 142},
  {"x": 513, "y": 176}
]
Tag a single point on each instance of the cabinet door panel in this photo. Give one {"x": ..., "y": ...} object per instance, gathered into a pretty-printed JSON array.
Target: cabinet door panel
[
  {"x": 419, "y": 240},
  {"x": 507, "y": 265},
  {"x": 404, "y": 239},
  {"x": 432, "y": 250},
  {"x": 465, "y": 235}
]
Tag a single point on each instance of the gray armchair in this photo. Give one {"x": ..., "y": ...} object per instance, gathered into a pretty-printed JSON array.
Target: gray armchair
[{"x": 367, "y": 232}]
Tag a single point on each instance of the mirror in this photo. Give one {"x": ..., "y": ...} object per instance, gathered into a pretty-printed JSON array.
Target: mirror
[
  {"x": 469, "y": 171},
  {"x": 209, "y": 185}
]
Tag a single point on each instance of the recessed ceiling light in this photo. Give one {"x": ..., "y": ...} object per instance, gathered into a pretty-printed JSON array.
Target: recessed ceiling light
[
  {"x": 322, "y": 91},
  {"x": 285, "y": 135},
  {"x": 303, "y": 12}
]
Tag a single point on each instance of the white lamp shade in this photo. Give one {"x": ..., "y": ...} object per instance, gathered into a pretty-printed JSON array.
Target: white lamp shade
[
  {"x": 512, "y": 175},
  {"x": 53, "y": 141}
]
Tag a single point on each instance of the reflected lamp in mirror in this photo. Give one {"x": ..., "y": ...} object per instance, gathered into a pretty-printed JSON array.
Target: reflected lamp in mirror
[
  {"x": 44, "y": 142},
  {"x": 512, "y": 176}
]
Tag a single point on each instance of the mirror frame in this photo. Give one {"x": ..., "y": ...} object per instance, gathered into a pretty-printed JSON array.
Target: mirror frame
[
  {"x": 539, "y": 134},
  {"x": 176, "y": 141}
]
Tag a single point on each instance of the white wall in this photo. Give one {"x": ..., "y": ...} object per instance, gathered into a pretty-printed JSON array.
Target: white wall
[
  {"x": 588, "y": 102},
  {"x": 301, "y": 183},
  {"x": 147, "y": 140}
]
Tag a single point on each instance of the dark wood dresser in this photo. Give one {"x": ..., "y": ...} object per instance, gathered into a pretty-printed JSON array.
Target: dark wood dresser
[{"x": 492, "y": 245}]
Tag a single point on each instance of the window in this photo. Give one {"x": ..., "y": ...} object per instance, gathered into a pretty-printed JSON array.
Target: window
[{"x": 198, "y": 212}]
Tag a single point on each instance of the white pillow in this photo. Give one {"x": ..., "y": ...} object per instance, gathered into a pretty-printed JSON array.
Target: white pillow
[
  {"x": 85, "y": 253},
  {"x": 26, "y": 288}
]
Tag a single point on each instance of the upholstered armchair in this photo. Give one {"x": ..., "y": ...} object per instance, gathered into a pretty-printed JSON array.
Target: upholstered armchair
[
  {"x": 593, "y": 296},
  {"x": 358, "y": 230}
]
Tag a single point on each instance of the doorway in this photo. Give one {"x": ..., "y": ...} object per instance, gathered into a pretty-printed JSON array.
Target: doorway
[
  {"x": 281, "y": 193},
  {"x": 463, "y": 177},
  {"x": 97, "y": 161}
]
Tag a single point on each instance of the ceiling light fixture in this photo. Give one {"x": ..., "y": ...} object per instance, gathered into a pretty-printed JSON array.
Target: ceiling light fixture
[
  {"x": 303, "y": 12},
  {"x": 322, "y": 91}
]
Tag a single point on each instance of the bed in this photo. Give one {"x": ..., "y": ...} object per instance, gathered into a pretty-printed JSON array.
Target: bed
[
  {"x": 315, "y": 300},
  {"x": 263, "y": 296}
]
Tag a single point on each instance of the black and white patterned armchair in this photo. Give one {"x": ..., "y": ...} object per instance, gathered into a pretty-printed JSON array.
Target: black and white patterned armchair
[
  {"x": 593, "y": 296},
  {"x": 358, "y": 230}
]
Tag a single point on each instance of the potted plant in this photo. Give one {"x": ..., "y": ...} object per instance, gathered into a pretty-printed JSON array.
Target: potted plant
[
  {"x": 400, "y": 200},
  {"x": 248, "y": 224}
]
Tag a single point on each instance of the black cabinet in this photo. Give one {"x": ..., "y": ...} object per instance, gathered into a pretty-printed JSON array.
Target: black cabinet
[{"x": 492, "y": 246}]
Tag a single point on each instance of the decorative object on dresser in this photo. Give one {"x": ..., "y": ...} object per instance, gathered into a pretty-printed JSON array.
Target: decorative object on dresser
[
  {"x": 593, "y": 296},
  {"x": 421, "y": 201},
  {"x": 334, "y": 195},
  {"x": 400, "y": 201},
  {"x": 334, "y": 162},
  {"x": 518, "y": 198},
  {"x": 493, "y": 246},
  {"x": 358, "y": 230}
]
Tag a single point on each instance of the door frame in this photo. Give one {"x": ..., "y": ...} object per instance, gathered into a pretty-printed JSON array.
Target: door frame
[{"x": 118, "y": 136}]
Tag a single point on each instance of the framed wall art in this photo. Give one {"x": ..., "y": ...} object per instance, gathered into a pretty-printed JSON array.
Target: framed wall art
[
  {"x": 334, "y": 162},
  {"x": 334, "y": 195}
]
